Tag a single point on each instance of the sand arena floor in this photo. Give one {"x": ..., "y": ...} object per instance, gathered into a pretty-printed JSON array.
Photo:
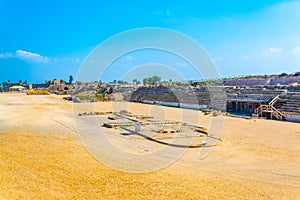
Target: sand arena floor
[{"x": 42, "y": 157}]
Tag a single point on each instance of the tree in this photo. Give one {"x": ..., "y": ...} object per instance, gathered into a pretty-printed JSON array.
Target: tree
[
  {"x": 146, "y": 81},
  {"x": 152, "y": 80},
  {"x": 20, "y": 82},
  {"x": 121, "y": 82},
  {"x": 156, "y": 79},
  {"x": 134, "y": 81},
  {"x": 25, "y": 82},
  {"x": 70, "y": 79},
  {"x": 283, "y": 74}
]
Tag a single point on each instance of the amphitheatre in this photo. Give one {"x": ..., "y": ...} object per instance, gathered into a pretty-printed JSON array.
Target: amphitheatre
[{"x": 256, "y": 155}]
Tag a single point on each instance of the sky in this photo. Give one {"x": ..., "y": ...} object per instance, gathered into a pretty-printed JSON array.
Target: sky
[{"x": 42, "y": 40}]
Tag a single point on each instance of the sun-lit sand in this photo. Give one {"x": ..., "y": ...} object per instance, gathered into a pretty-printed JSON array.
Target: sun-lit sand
[{"x": 42, "y": 157}]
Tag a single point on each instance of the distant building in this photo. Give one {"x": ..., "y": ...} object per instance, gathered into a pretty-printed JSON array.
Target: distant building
[
  {"x": 38, "y": 86},
  {"x": 53, "y": 82},
  {"x": 59, "y": 87},
  {"x": 17, "y": 88},
  {"x": 54, "y": 86}
]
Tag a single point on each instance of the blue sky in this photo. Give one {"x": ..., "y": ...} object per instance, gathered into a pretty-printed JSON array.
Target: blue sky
[{"x": 50, "y": 39}]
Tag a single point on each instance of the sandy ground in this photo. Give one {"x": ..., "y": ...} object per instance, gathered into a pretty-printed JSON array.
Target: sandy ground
[{"x": 42, "y": 157}]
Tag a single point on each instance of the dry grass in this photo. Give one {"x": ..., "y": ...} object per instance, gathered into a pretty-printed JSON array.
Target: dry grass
[
  {"x": 217, "y": 113},
  {"x": 38, "y": 92}
]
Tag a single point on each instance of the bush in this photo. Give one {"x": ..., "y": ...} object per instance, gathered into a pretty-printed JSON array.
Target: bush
[
  {"x": 297, "y": 74},
  {"x": 217, "y": 113},
  {"x": 38, "y": 92},
  {"x": 99, "y": 96}
]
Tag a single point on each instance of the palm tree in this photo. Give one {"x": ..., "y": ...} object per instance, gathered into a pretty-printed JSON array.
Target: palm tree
[{"x": 71, "y": 79}]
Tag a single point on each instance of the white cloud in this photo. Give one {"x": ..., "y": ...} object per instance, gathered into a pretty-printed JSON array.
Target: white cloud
[
  {"x": 275, "y": 50},
  {"x": 73, "y": 61},
  {"x": 6, "y": 55},
  {"x": 181, "y": 64},
  {"x": 270, "y": 51},
  {"x": 296, "y": 51},
  {"x": 218, "y": 59},
  {"x": 31, "y": 57},
  {"x": 127, "y": 58}
]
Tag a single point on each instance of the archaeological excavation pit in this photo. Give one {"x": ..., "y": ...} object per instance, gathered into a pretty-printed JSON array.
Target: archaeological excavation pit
[{"x": 163, "y": 132}]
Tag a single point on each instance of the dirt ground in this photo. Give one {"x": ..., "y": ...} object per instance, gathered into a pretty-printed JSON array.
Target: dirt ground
[{"x": 42, "y": 157}]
